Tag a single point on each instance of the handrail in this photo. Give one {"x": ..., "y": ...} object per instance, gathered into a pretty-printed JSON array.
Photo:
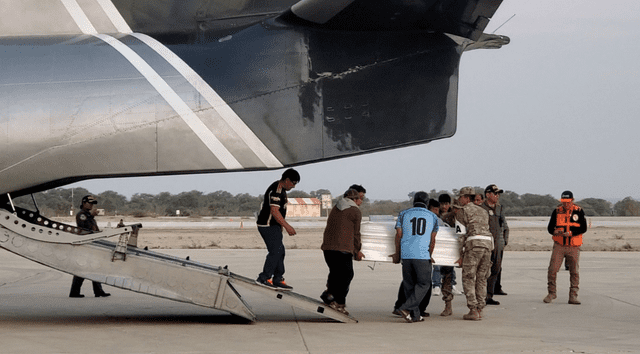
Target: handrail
[{"x": 32, "y": 225}]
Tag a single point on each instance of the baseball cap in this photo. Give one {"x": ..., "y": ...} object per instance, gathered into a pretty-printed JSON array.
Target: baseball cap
[
  {"x": 493, "y": 189},
  {"x": 466, "y": 190},
  {"x": 89, "y": 199},
  {"x": 566, "y": 195}
]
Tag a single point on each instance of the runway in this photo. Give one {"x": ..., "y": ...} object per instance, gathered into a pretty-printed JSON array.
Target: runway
[{"x": 36, "y": 316}]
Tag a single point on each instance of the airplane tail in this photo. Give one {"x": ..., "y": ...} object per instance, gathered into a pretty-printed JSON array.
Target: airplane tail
[{"x": 284, "y": 91}]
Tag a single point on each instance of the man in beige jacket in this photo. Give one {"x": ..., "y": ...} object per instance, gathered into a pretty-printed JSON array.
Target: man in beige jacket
[{"x": 341, "y": 244}]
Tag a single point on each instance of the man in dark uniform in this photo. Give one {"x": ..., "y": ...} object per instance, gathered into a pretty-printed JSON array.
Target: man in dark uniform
[
  {"x": 500, "y": 231},
  {"x": 86, "y": 219},
  {"x": 270, "y": 223}
]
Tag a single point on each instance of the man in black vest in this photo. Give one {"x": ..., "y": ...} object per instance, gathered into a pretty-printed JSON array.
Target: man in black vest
[
  {"x": 500, "y": 231},
  {"x": 86, "y": 219}
]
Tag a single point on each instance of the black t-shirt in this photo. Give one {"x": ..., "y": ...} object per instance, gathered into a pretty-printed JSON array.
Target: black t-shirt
[{"x": 273, "y": 196}]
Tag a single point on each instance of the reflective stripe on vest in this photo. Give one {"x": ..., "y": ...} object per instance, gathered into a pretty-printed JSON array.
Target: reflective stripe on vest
[{"x": 564, "y": 222}]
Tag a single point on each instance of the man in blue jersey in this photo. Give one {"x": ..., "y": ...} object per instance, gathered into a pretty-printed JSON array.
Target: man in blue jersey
[{"x": 416, "y": 230}]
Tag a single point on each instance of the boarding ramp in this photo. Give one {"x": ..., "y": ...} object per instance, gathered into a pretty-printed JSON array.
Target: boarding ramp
[{"x": 123, "y": 265}]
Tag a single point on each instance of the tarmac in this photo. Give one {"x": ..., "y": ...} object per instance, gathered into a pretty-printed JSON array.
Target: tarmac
[{"x": 37, "y": 316}]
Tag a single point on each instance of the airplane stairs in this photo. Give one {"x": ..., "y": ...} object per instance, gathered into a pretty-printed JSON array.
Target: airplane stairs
[{"x": 123, "y": 265}]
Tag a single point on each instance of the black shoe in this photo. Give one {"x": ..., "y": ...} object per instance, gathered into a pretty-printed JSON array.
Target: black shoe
[
  {"x": 406, "y": 315},
  {"x": 499, "y": 292},
  {"x": 491, "y": 301},
  {"x": 424, "y": 314},
  {"x": 326, "y": 297},
  {"x": 103, "y": 295},
  {"x": 280, "y": 284},
  {"x": 265, "y": 283},
  {"x": 76, "y": 295}
]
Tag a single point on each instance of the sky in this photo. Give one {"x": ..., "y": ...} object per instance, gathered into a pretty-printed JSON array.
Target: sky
[{"x": 556, "y": 109}]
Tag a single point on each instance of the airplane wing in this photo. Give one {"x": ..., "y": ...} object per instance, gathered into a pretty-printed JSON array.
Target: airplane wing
[{"x": 123, "y": 88}]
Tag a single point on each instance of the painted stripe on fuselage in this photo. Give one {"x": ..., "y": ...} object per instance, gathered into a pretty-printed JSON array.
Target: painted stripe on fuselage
[
  {"x": 223, "y": 110},
  {"x": 218, "y": 104},
  {"x": 79, "y": 16},
  {"x": 178, "y": 105},
  {"x": 115, "y": 16},
  {"x": 171, "y": 97}
]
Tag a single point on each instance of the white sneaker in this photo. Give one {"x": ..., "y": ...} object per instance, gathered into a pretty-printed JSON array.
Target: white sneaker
[
  {"x": 436, "y": 291},
  {"x": 456, "y": 291}
]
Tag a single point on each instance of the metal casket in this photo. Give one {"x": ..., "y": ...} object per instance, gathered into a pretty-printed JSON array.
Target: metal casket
[{"x": 378, "y": 242}]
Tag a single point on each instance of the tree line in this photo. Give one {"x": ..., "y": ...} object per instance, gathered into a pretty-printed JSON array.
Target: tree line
[{"x": 60, "y": 201}]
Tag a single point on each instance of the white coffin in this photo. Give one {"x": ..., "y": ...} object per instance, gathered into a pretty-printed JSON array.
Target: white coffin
[{"x": 378, "y": 242}]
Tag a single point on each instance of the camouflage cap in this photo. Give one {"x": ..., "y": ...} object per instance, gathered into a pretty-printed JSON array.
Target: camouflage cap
[{"x": 466, "y": 190}]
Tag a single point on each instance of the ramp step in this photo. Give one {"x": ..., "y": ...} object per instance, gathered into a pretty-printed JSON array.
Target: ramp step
[{"x": 294, "y": 299}]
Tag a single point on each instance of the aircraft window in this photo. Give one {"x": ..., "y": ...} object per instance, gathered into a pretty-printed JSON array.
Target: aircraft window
[
  {"x": 54, "y": 225},
  {"x": 33, "y": 229}
]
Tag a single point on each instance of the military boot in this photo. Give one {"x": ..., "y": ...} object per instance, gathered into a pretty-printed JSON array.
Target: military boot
[
  {"x": 573, "y": 298},
  {"x": 472, "y": 315},
  {"x": 550, "y": 297},
  {"x": 447, "y": 309}
]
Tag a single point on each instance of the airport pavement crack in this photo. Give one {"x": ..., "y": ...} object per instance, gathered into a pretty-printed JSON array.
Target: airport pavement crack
[{"x": 295, "y": 315}]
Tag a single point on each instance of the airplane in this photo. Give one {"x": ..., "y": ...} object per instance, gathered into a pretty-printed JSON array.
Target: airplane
[
  {"x": 125, "y": 88},
  {"x": 121, "y": 88}
]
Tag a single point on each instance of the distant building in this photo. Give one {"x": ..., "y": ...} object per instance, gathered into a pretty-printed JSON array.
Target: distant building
[{"x": 303, "y": 207}]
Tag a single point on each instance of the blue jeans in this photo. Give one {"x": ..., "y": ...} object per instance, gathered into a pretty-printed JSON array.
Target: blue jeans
[
  {"x": 436, "y": 278},
  {"x": 274, "y": 263}
]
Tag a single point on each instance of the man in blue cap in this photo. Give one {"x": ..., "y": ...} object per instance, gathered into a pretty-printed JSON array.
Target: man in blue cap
[{"x": 416, "y": 230}]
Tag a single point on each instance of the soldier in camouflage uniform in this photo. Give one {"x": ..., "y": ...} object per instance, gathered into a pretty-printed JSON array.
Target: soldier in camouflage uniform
[
  {"x": 447, "y": 272},
  {"x": 475, "y": 252}
]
